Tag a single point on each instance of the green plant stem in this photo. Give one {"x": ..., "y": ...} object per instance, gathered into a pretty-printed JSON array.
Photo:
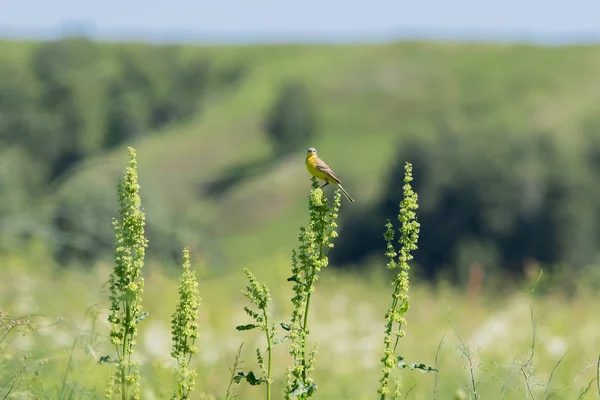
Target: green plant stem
[
  {"x": 124, "y": 350},
  {"x": 269, "y": 353},
  {"x": 390, "y": 328},
  {"x": 598, "y": 375},
  {"x": 70, "y": 362},
  {"x": 306, "y": 309},
  {"x": 394, "y": 305},
  {"x": 305, "y": 323},
  {"x": 305, "y": 333},
  {"x": 189, "y": 360}
]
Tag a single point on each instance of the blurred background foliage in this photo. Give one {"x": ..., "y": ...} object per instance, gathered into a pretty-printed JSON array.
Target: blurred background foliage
[{"x": 505, "y": 142}]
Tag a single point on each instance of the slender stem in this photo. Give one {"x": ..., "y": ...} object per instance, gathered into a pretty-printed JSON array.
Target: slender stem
[
  {"x": 390, "y": 327},
  {"x": 307, "y": 307},
  {"x": 305, "y": 331},
  {"x": 13, "y": 384},
  {"x": 397, "y": 339},
  {"x": 394, "y": 306},
  {"x": 124, "y": 350},
  {"x": 189, "y": 360},
  {"x": 598, "y": 374},
  {"x": 310, "y": 282},
  {"x": 269, "y": 353},
  {"x": 70, "y": 362},
  {"x": 7, "y": 332}
]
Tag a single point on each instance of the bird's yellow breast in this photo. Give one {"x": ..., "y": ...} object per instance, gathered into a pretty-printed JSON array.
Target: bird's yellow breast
[{"x": 311, "y": 166}]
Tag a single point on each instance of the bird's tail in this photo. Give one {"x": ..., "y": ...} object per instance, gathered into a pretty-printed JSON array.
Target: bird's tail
[{"x": 345, "y": 193}]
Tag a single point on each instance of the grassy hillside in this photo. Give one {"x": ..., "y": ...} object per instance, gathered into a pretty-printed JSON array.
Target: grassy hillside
[{"x": 369, "y": 99}]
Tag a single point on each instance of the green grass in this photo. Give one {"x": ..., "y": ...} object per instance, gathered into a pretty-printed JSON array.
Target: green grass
[{"x": 348, "y": 324}]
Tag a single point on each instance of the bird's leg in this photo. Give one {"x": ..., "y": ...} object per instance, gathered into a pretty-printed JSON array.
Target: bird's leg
[{"x": 326, "y": 183}]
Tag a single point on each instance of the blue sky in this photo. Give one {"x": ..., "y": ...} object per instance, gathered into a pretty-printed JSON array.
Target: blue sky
[{"x": 248, "y": 20}]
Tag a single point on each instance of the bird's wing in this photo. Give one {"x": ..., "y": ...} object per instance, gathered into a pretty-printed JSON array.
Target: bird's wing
[{"x": 321, "y": 166}]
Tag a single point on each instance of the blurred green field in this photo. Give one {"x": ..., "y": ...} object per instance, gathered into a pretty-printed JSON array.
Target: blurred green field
[
  {"x": 347, "y": 324},
  {"x": 370, "y": 99}
]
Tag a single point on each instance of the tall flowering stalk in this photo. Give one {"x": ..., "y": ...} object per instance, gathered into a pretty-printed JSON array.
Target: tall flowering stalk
[
  {"x": 127, "y": 284},
  {"x": 259, "y": 295},
  {"x": 184, "y": 328},
  {"x": 307, "y": 262},
  {"x": 409, "y": 235}
]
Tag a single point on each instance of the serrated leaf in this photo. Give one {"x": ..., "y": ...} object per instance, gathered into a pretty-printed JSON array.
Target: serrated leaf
[
  {"x": 421, "y": 367},
  {"x": 246, "y": 327},
  {"x": 413, "y": 365},
  {"x": 249, "y": 377}
]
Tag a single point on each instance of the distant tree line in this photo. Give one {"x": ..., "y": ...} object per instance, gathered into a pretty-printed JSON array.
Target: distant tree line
[
  {"x": 72, "y": 98},
  {"x": 499, "y": 199}
]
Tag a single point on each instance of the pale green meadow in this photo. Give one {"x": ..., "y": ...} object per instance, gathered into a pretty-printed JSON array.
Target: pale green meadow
[{"x": 485, "y": 342}]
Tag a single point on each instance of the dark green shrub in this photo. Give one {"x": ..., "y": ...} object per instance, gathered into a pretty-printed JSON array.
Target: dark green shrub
[{"x": 291, "y": 122}]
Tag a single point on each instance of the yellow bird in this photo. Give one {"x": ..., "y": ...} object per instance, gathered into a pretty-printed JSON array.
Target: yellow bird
[{"x": 319, "y": 169}]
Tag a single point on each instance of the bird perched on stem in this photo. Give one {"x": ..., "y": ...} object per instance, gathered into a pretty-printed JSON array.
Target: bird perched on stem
[{"x": 319, "y": 169}]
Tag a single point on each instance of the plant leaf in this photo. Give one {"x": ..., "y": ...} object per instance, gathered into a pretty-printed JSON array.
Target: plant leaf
[
  {"x": 249, "y": 377},
  {"x": 106, "y": 360},
  {"x": 246, "y": 327},
  {"x": 285, "y": 326},
  {"x": 413, "y": 365}
]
